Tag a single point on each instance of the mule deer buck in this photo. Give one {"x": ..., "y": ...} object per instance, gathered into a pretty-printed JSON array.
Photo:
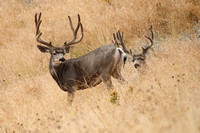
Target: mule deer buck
[
  {"x": 137, "y": 59},
  {"x": 83, "y": 72}
]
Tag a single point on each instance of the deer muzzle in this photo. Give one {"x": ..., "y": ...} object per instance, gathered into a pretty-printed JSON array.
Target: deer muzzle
[
  {"x": 62, "y": 59},
  {"x": 136, "y": 65}
]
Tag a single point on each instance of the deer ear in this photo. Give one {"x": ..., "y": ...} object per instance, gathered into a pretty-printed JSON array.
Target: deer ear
[
  {"x": 67, "y": 49},
  {"x": 43, "y": 49}
]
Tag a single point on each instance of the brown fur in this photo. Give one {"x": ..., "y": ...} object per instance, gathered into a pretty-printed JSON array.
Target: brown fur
[{"x": 88, "y": 70}]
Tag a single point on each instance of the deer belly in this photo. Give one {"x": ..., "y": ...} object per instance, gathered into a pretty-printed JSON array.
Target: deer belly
[{"x": 89, "y": 82}]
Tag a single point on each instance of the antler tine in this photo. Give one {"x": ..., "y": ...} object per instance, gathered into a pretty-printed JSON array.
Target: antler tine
[
  {"x": 74, "y": 40},
  {"x": 38, "y": 21},
  {"x": 115, "y": 40},
  {"x": 152, "y": 35},
  {"x": 150, "y": 39},
  {"x": 120, "y": 37}
]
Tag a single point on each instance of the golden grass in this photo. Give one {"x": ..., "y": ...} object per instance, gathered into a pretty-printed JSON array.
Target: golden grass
[{"x": 163, "y": 96}]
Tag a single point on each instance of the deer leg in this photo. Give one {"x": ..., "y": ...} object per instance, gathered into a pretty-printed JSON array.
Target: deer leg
[
  {"x": 106, "y": 79},
  {"x": 117, "y": 75},
  {"x": 71, "y": 95},
  {"x": 121, "y": 80}
]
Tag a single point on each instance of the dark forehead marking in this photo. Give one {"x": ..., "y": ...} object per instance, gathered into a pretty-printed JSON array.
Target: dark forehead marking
[
  {"x": 138, "y": 57},
  {"x": 59, "y": 49}
]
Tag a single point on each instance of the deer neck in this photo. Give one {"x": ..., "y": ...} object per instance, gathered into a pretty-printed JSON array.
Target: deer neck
[{"x": 54, "y": 71}]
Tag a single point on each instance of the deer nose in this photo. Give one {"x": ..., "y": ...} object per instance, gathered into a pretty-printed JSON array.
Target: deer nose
[
  {"x": 62, "y": 59},
  {"x": 136, "y": 65}
]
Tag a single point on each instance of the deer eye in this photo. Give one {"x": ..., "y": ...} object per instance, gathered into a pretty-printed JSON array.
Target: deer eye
[
  {"x": 54, "y": 53},
  {"x": 134, "y": 59}
]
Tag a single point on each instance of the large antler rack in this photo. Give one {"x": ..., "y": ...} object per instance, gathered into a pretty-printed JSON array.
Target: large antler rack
[
  {"x": 38, "y": 21},
  {"x": 144, "y": 50},
  {"x": 119, "y": 40},
  {"x": 75, "y": 40}
]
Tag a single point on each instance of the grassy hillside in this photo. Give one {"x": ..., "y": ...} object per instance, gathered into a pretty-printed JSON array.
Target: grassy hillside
[{"x": 162, "y": 96}]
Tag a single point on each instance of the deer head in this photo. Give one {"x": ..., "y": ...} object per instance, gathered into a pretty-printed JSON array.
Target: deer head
[
  {"x": 137, "y": 59},
  {"x": 57, "y": 52}
]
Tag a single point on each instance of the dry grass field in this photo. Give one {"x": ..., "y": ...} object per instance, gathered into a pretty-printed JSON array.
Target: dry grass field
[{"x": 162, "y": 96}]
